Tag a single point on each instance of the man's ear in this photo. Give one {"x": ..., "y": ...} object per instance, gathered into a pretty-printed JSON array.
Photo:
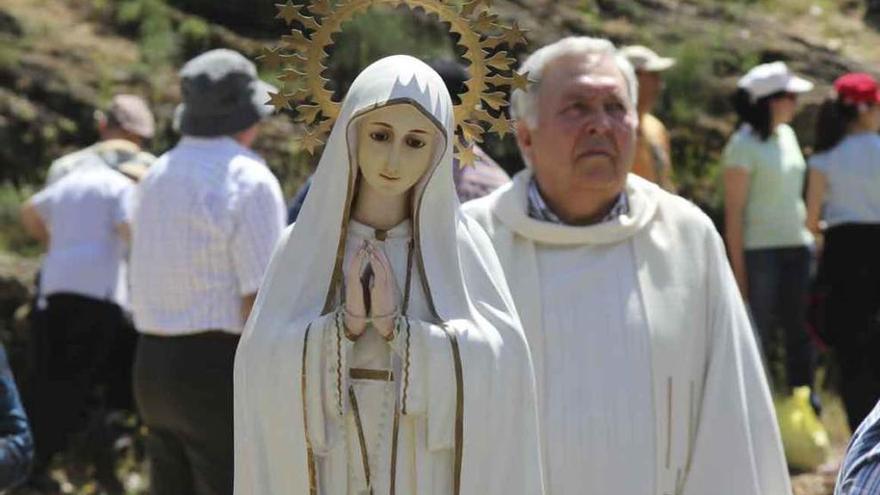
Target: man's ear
[
  {"x": 524, "y": 139},
  {"x": 102, "y": 124}
]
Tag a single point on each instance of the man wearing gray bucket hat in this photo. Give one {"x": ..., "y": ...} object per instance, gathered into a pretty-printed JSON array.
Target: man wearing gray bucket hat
[
  {"x": 222, "y": 95},
  {"x": 207, "y": 216}
]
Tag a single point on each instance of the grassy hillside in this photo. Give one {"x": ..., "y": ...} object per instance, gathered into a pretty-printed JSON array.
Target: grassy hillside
[{"x": 60, "y": 59}]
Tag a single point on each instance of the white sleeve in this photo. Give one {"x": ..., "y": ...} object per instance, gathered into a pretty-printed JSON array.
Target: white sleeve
[
  {"x": 124, "y": 204},
  {"x": 259, "y": 222},
  {"x": 43, "y": 202},
  {"x": 738, "y": 448},
  {"x": 59, "y": 169}
]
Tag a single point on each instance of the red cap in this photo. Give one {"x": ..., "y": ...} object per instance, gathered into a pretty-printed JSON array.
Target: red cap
[{"x": 856, "y": 88}]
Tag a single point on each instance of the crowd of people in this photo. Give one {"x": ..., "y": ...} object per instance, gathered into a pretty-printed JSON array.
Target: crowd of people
[{"x": 578, "y": 328}]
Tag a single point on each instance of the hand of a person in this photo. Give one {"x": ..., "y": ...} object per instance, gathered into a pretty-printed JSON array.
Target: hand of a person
[
  {"x": 355, "y": 301},
  {"x": 819, "y": 246},
  {"x": 383, "y": 294}
]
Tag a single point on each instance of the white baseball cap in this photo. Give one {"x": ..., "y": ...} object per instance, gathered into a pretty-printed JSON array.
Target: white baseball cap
[
  {"x": 643, "y": 58},
  {"x": 131, "y": 113},
  {"x": 767, "y": 79}
]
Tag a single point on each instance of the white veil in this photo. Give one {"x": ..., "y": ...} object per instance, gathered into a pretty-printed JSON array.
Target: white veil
[{"x": 496, "y": 439}]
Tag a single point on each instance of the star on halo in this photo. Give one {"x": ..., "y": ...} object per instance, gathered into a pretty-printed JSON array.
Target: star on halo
[
  {"x": 310, "y": 141},
  {"x": 466, "y": 156},
  {"x": 501, "y": 126},
  {"x": 271, "y": 57},
  {"x": 514, "y": 35},
  {"x": 279, "y": 100},
  {"x": 519, "y": 81},
  {"x": 289, "y": 12}
]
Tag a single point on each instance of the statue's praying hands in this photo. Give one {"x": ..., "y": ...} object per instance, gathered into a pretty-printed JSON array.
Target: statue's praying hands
[{"x": 371, "y": 293}]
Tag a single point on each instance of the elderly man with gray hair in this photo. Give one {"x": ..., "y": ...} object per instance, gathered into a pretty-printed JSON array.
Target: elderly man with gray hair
[{"x": 649, "y": 378}]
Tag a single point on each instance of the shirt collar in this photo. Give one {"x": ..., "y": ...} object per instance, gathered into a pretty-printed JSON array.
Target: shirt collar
[{"x": 539, "y": 210}]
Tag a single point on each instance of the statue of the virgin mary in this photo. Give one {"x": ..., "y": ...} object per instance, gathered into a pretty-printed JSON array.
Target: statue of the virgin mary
[{"x": 384, "y": 354}]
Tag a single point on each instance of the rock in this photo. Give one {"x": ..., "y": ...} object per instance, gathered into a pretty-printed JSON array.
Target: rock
[{"x": 16, "y": 290}]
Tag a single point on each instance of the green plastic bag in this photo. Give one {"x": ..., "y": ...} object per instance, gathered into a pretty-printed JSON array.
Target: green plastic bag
[{"x": 803, "y": 436}]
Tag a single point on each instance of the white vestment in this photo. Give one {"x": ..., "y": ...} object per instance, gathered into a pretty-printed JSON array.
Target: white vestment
[
  {"x": 408, "y": 358},
  {"x": 447, "y": 407},
  {"x": 604, "y": 417},
  {"x": 711, "y": 425}
]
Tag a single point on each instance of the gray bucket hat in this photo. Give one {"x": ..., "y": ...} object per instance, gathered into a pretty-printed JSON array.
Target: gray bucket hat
[{"x": 222, "y": 95}]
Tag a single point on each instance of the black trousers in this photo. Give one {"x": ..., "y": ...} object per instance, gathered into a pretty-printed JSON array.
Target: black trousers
[
  {"x": 183, "y": 388},
  {"x": 79, "y": 362},
  {"x": 850, "y": 272}
]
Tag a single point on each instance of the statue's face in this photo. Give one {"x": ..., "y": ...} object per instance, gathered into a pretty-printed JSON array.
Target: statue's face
[{"x": 395, "y": 147}]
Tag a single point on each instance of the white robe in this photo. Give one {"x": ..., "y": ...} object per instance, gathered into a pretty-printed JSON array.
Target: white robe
[
  {"x": 471, "y": 422},
  {"x": 418, "y": 465},
  {"x": 596, "y": 316},
  {"x": 714, "y": 427}
]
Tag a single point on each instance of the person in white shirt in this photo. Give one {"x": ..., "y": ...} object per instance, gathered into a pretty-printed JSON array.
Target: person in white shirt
[
  {"x": 207, "y": 216},
  {"x": 648, "y": 374},
  {"x": 80, "y": 320}
]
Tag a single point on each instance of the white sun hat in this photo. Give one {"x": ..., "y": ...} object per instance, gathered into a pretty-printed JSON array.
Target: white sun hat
[
  {"x": 643, "y": 58},
  {"x": 767, "y": 79}
]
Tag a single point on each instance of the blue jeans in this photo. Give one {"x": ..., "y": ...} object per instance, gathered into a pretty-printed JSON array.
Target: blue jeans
[{"x": 778, "y": 287}]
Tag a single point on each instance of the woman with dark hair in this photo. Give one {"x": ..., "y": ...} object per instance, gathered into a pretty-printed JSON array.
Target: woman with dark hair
[
  {"x": 844, "y": 191},
  {"x": 768, "y": 242}
]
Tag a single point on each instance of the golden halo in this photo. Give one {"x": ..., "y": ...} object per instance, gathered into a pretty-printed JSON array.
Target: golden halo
[{"x": 303, "y": 55}]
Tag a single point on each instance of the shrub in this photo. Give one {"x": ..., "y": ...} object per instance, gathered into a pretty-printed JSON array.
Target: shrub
[
  {"x": 381, "y": 32},
  {"x": 195, "y": 36},
  {"x": 12, "y": 236}
]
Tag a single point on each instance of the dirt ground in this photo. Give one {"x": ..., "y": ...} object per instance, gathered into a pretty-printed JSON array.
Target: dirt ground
[{"x": 820, "y": 482}]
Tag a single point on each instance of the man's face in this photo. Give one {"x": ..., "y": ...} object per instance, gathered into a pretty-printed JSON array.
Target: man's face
[
  {"x": 650, "y": 86},
  {"x": 584, "y": 138}
]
